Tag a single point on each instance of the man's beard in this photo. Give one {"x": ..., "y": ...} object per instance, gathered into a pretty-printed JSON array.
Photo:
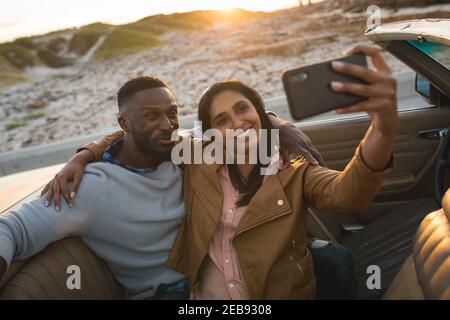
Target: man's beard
[{"x": 145, "y": 145}]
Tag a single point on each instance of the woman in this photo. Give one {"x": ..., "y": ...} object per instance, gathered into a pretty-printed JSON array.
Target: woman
[{"x": 244, "y": 234}]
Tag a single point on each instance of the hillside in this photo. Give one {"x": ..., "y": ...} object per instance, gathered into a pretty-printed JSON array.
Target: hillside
[
  {"x": 101, "y": 41},
  {"x": 9, "y": 74}
]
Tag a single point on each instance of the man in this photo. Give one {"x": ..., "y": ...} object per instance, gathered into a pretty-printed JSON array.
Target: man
[{"x": 129, "y": 206}]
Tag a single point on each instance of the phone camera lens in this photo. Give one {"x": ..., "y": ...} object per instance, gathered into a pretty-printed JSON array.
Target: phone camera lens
[{"x": 301, "y": 77}]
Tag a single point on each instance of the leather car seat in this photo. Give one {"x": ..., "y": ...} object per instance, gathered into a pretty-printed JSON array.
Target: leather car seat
[
  {"x": 426, "y": 273},
  {"x": 45, "y": 276}
]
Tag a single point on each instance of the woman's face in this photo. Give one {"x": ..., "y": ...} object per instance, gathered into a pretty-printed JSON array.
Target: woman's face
[{"x": 232, "y": 110}]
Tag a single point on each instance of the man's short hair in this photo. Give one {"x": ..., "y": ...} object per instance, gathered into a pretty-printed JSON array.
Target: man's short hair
[{"x": 135, "y": 85}]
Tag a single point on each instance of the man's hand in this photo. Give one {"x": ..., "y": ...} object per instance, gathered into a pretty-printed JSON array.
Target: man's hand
[
  {"x": 294, "y": 141},
  {"x": 71, "y": 172}
]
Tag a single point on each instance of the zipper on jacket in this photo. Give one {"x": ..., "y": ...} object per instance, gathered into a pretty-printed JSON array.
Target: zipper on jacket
[{"x": 291, "y": 255}]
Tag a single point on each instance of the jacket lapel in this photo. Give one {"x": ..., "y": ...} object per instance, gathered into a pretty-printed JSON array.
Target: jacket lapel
[
  {"x": 208, "y": 190},
  {"x": 269, "y": 203}
]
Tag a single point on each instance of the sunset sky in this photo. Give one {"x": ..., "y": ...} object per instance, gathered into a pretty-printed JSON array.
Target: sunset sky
[{"x": 29, "y": 17}]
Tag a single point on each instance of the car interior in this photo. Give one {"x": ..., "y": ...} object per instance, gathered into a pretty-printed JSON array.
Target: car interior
[
  {"x": 405, "y": 231},
  {"x": 382, "y": 234}
]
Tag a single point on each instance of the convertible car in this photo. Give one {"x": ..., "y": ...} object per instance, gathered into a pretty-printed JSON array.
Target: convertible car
[{"x": 405, "y": 232}]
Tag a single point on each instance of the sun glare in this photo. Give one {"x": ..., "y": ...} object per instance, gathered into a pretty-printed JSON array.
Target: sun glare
[
  {"x": 230, "y": 11},
  {"x": 26, "y": 17}
]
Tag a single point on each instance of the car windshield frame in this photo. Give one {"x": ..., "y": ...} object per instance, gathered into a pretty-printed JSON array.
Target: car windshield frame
[
  {"x": 438, "y": 52},
  {"x": 433, "y": 71}
]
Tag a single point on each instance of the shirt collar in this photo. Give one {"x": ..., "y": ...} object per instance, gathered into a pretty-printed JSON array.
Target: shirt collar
[{"x": 109, "y": 156}]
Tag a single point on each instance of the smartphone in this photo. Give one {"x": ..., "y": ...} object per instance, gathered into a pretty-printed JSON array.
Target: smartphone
[{"x": 309, "y": 92}]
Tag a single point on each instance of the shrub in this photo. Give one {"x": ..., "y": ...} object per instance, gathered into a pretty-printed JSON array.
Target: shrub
[
  {"x": 33, "y": 115},
  {"x": 83, "y": 40},
  {"x": 27, "y": 43},
  {"x": 18, "y": 56},
  {"x": 14, "y": 125},
  {"x": 125, "y": 41},
  {"x": 53, "y": 60},
  {"x": 56, "y": 44}
]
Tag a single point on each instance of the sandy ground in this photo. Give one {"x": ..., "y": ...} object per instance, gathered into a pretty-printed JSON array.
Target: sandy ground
[{"x": 81, "y": 100}]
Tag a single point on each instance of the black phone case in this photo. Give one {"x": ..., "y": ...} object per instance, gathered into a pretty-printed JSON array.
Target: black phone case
[{"x": 308, "y": 88}]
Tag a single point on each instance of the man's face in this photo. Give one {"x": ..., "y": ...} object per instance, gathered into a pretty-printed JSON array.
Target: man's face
[{"x": 151, "y": 116}]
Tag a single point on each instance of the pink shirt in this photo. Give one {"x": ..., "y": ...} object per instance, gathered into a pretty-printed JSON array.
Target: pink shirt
[{"x": 220, "y": 276}]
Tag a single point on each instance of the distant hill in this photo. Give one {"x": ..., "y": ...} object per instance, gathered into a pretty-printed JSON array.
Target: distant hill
[
  {"x": 9, "y": 74},
  {"x": 103, "y": 41},
  {"x": 194, "y": 20}
]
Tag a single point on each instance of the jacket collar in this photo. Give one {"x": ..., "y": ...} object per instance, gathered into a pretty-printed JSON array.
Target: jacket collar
[{"x": 269, "y": 202}]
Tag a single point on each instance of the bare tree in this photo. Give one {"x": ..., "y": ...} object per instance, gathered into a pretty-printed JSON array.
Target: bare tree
[{"x": 300, "y": 2}]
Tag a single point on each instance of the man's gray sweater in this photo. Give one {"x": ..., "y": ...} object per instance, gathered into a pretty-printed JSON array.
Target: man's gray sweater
[{"x": 128, "y": 219}]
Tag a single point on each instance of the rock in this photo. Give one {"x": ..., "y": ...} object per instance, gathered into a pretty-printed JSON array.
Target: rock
[
  {"x": 37, "y": 104},
  {"x": 27, "y": 142},
  {"x": 51, "y": 119},
  {"x": 48, "y": 96}
]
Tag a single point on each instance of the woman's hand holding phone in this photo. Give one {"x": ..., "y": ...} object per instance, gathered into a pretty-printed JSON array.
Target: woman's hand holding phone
[
  {"x": 381, "y": 105},
  {"x": 381, "y": 90}
]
